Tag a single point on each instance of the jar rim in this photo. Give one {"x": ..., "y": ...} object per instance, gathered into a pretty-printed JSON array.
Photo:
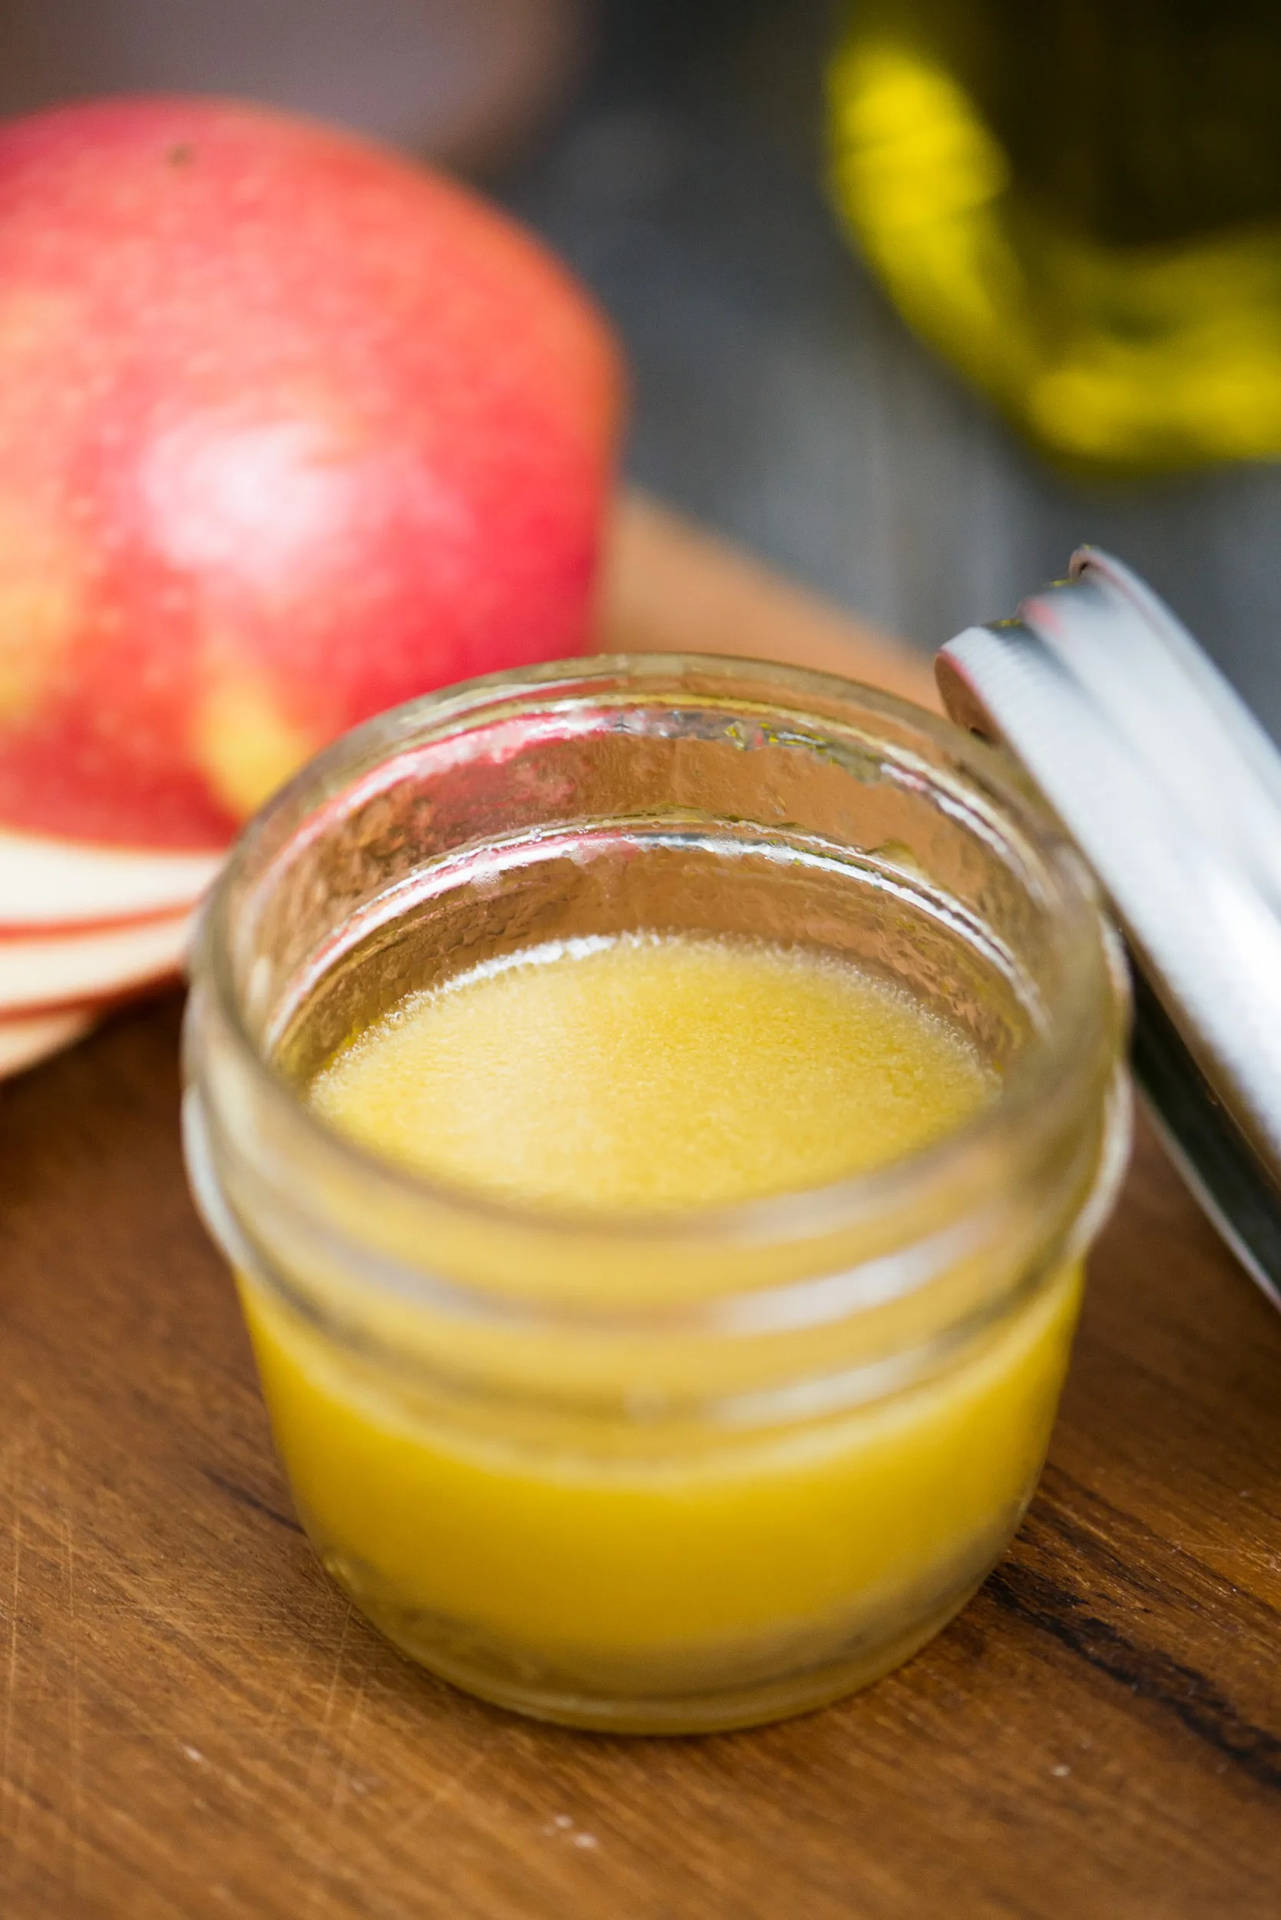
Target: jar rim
[{"x": 1051, "y": 1070}]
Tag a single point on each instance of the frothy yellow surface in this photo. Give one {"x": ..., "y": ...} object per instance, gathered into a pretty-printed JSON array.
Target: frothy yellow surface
[{"x": 648, "y": 1072}]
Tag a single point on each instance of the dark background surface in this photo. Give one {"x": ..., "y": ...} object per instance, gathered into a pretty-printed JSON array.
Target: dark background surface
[{"x": 780, "y": 399}]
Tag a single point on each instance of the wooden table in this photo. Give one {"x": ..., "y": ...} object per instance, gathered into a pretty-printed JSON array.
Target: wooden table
[{"x": 195, "y": 1724}]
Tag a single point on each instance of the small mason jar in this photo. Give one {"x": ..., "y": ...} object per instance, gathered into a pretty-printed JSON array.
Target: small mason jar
[{"x": 699, "y": 1469}]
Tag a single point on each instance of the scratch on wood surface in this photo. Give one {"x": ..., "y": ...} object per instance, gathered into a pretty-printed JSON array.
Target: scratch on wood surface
[
  {"x": 327, "y": 1714},
  {"x": 285, "y": 1701},
  {"x": 322, "y": 1894},
  {"x": 74, "y": 1751},
  {"x": 443, "y": 1794},
  {"x": 15, "y": 1790},
  {"x": 325, "y": 1852},
  {"x": 341, "y": 1773},
  {"x": 328, "y": 1841},
  {"x": 1091, "y": 1522},
  {"x": 11, "y": 1683},
  {"x": 1211, "y": 1554}
]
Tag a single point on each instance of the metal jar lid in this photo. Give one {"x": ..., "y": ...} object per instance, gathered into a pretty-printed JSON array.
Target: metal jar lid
[{"x": 1172, "y": 790}]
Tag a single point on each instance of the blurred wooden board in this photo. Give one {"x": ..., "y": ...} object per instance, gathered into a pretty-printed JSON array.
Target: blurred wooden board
[{"x": 193, "y": 1723}]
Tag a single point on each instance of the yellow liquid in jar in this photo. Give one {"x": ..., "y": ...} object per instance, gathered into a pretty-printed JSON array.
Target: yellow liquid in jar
[{"x": 659, "y": 1073}]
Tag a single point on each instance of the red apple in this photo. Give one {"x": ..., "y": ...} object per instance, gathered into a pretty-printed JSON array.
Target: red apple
[{"x": 290, "y": 430}]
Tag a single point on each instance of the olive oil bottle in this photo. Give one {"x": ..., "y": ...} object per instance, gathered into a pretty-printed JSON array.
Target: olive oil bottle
[{"x": 1078, "y": 202}]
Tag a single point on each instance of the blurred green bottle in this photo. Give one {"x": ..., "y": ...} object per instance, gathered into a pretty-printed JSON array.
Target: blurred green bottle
[{"x": 1078, "y": 202}]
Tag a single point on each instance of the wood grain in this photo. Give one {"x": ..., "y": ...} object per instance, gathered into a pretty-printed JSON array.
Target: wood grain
[
  {"x": 194, "y": 1724},
  {"x": 671, "y": 587}
]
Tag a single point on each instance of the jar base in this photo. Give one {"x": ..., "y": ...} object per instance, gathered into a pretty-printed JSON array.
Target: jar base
[{"x": 776, "y": 1691}]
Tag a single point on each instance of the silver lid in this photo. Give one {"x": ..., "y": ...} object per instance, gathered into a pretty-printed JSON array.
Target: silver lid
[{"x": 1172, "y": 790}]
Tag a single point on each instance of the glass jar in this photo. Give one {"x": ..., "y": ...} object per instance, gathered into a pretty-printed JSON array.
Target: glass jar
[{"x": 696, "y": 1470}]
